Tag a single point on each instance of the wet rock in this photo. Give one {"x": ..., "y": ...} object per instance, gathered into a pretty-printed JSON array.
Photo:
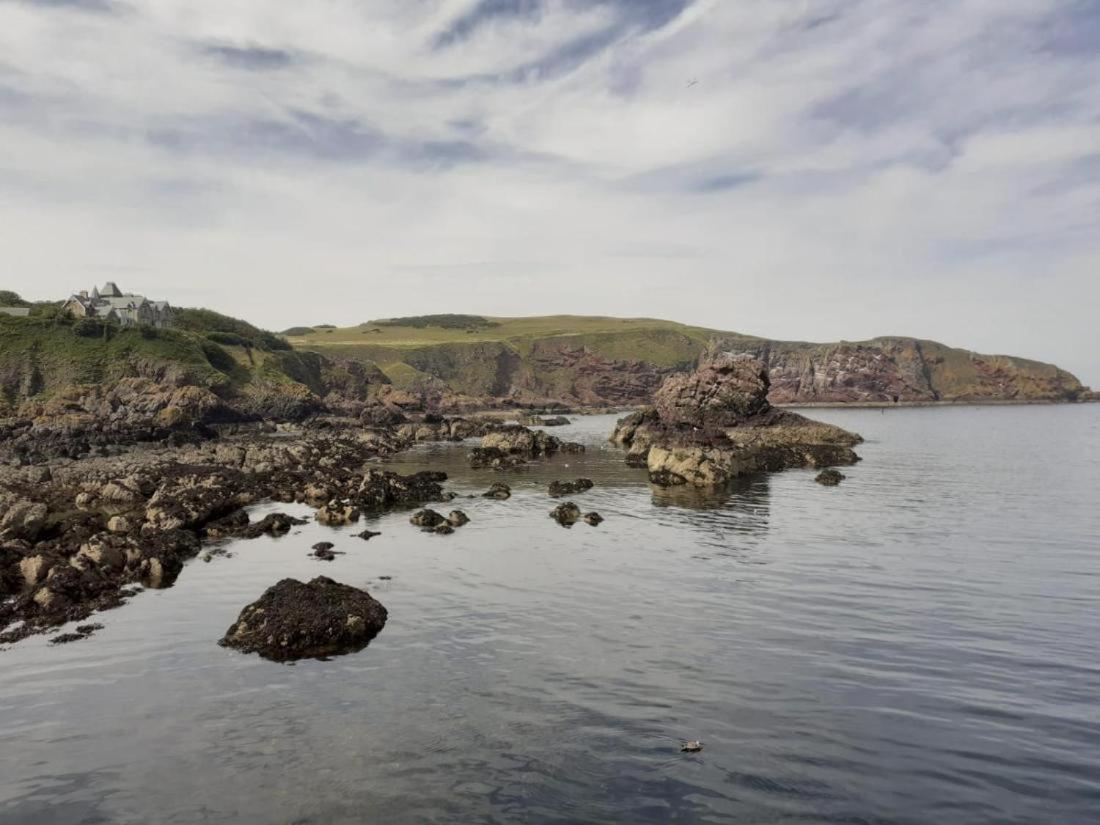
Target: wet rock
[
  {"x": 456, "y": 518},
  {"x": 691, "y": 746},
  {"x": 382, "y": 488},
  {"x": 323, "y": 550},
  {"x": 119, "y": 524},
  {"x": 593, "y": 519},
  {"x": 566, "y": 514},
  {"x": 427, "y": 518},
  {"x": 337, "y": 513},
  {"x": 830, "y": 477},
  {"x": 232, "y": 525},
  {"x": 495, "y": 458},
  {"x": 568, "y": 488},
  {"x": 498, "y": 490},
  {"x": 323, "y": 545},
  {"x": 443, "y": 529},
  {"x": 273, "y": 524},
  {"x": 366, "y": 535},
  {"x": 82, "y": 632},
  {"x": 294, "y": 620}
]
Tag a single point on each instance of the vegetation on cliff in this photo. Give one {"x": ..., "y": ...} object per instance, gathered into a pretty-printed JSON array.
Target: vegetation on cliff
[{"x": 599, "y": 360}]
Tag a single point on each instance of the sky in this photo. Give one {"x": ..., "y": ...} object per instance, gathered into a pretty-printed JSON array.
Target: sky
[{"x": 799, "y": 169}]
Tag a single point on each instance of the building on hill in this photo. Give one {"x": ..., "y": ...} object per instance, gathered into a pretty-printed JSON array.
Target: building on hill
[{"x": 124, "y": 308}]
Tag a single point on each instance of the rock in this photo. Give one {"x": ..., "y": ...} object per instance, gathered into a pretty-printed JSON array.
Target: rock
[
  {"x": 456, "y": 518},
  {"x": 427, "y": 518},
  {"x": 495, "y": 458},
  {"x": 381, "y": 488},
  {"x": 323, "y": 551},
  {"x": 716, "y": 425},
  {"x": 34, "y": 569},
  {"x": 273, "y": 524},
  {"x": 594, "y": 519},
  {"x": 23, "y": 519},
  {"x": 722, "y": 392},
  {"x": 443, "y": 529},
  {"x": 568, "y": 488},
  {"x": 830, "y": 477},
  {"x": 498, "y": 490},
  {"x": 293, "y": 620},
  {"x": 337, "y": 513},
  {"x": 82, "y": 632},
  {"x": 119, "y": 524},
  {"x": 566, "y": 514},
  {"x": 366, "y": 535},
  {"x": 232, "y": 525},
  {"x": 691, "y": 746},
  {"x": 323, "y": 545}
]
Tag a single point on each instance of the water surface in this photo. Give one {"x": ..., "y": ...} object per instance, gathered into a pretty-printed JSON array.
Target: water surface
[{"x": 919, "y": 645}]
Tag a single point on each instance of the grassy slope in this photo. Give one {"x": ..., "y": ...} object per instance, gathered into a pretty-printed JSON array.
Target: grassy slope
[
  {"x": 410, "y": 353},
  {"x": 40, "y": 356}
]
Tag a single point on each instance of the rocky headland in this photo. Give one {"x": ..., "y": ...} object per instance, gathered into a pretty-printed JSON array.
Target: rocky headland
[{"x": 710, "y": 426}]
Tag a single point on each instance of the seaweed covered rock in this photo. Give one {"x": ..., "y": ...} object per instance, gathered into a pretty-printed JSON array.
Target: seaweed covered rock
[
  {"x": 830, "y": 477},
  {"x": 568, "y": 488},
  {"x": 566, "y": 514},
  {"x": 295, "y": 620}
]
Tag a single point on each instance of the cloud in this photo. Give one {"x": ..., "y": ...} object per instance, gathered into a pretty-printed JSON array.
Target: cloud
[
  {"x": 839, "y": 169},
  {"x": 255, "y": 58}
]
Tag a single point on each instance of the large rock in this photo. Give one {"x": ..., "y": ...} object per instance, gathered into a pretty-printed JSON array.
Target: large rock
[
  {"x": 724, "y": 392},
  {"x": 716, "y": 424},
  {"x": 294, "y": 620}
]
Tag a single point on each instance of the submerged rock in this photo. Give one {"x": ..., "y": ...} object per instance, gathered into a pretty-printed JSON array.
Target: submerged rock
[
  {"x": 294, "y": 620},
  {"x": 830, "y": 477},
  {"x": 566, "y": 514},
  {"x": 716, "y": 424},
  {"x": 456, "y": 518},
  {"x": 429, "y": 519},
  {"x": 594, "y": 519},
  {"x": 367, "y": 535},
  {"x": 568, "y": 488},
  {"x": 499, "y": 490}
]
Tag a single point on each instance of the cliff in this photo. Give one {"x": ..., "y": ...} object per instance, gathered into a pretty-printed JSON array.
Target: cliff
[{"x": 579, "y": 360}]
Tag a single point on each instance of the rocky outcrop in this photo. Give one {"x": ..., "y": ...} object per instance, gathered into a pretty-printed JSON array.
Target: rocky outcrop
[
  {"x": 716, "y": 424},
  {"x": 295, "y": 620}
]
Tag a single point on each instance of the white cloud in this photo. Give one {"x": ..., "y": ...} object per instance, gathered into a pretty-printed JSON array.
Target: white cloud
[{"x": 842, "y": 168}]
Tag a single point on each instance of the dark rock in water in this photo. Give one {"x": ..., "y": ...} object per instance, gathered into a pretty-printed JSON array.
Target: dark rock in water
[
  {"x": 495, "y": 458},
  {"x": 293, "y": 620},
  {"x": 456, "y": 518},
  {"x": 232, "y": 525},
  {"x": 443, "y": 529},
  {"x": 593, "y": 518},
  {"x": 366, "y": 535},
  {"x": 567, "y": 488},
  {"x": 555, "y": 421},
  {"x": 566, "y": 514},
  {"x": 82, "y": 632},
  {"x": 323, "y": 551},
  {"x": 382, "y": 488},
  {"x": 665, "y": 478},
  {"x": 499, "y": 490},
  {"x": 691, "y": 746},
  {"x": 427, "y": 518},
  {"x": 830, "y": 477},
  {"x": 273, "y": 524},
  {"x": 336, "y": 513}
]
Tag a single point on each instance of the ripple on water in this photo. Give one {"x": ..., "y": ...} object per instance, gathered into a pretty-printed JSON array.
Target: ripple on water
[{"x": 917, "y": 645}]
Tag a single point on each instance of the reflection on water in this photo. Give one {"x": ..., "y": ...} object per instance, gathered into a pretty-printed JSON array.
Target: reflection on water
[{"x": 915, "y": 646}]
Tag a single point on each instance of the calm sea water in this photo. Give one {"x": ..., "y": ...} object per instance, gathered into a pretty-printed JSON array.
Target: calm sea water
[{"x": 919, "y": 645}]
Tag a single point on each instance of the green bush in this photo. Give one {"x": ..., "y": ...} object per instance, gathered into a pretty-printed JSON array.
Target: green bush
[{"x": 89, "y": 327}]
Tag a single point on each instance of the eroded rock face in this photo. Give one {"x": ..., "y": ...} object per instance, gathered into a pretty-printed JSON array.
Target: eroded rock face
[
  {"x": 716, "y": 424},
  {"x": 294, "y": 620},
  {"x": 723, "y": 392}
]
